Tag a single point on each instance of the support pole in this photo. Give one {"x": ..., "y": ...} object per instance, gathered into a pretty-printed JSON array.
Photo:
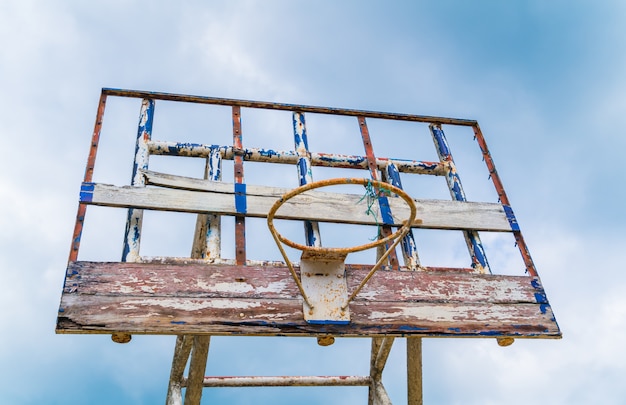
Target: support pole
[
  {"x": 181, "y": 355},
  {"x": 197, "y": 367},
  {"x": 414, "y": 370}
]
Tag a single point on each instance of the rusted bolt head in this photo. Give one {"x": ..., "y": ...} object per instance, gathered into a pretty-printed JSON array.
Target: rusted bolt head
[
  {"x": 325, "y": 340},
  {"x": 121, "y": 337},
  {"x": 505, "y": 341}
]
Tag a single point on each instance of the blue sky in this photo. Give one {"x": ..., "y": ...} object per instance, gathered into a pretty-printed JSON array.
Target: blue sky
[{"x": 545, "y": 80}]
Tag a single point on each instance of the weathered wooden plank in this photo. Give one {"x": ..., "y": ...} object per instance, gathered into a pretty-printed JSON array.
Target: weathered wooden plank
[
  {"x": 231, "y": 281},
  {"x": 225, "y": 316},
  {"x": 206, "y": 299},
  {"x": 327, "y": 207}
]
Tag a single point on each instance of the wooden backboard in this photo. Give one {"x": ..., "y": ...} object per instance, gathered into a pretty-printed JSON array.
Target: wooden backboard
[{"x": 208, "y": 293}]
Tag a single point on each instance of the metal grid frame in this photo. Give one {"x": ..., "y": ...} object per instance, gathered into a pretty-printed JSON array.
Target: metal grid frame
[{"x": 207, "y": 234}]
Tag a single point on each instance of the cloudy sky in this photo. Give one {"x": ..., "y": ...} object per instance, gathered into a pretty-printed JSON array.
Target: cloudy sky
[{"x": 544, "y": 79}]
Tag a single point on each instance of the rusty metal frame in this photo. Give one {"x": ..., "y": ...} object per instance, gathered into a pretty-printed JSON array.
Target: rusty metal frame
[{"x": 194, "y": 348}]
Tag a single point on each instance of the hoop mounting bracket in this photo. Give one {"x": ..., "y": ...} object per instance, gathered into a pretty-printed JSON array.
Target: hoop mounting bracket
[{"x": 324, "y": 281}]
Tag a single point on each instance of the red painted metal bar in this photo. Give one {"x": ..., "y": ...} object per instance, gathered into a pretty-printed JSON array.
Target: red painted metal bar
[
  {"x": 493, "y": 173},
  {"x": 91, "y": 161},
  {"x": 240, "y": 220},
  {"x": 285, "y": 107},
  {"x": 287, "y": 381},
  {"x": 371, "y": 161}
]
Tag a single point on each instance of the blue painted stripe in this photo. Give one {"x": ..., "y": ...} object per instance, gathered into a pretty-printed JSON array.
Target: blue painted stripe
[
  {"x": 408, "y": 242},
  {"x": 241, "y": 205},
  {"x": 327, "y": 322},
  {"x": 508, "y": 211},
  {"x": 303, "y": 170},
  {"x": 385, "y": 210},
  {"x": 86, "y": 192},
  {"x": 479, "y": 251},
  {"x": 440, "y": 138}
]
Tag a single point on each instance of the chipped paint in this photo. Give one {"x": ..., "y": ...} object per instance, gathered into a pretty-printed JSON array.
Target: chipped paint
[
  {"x": 474, "y": 245},
  {"x": 132, "y": 233},
  {"x": 189, "y": 305},
  {"x": 169, "y": 148},
  {"x": 305, "y": 174},
  {"x": 409, "y": 248},
  {"x": 250, "y": 301},
  {"x": 383, "y": 203}
]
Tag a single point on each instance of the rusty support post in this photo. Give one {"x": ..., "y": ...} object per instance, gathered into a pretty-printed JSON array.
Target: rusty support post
[
  {"x": 132, "y": 234},
  {"x": 205, "y": 244},
  {"x": 197, "y": 368},
  {"x": 382, "y": 199},
  {"x": 414, "y": 370},
  {"x": 380, "y": 394},
  {"x": 91, "y": 161},
  {"x": 376, "y": 343},
  {"x": 472, "y": 240},
  {"x": 181, "y": 355},
  {"x": 380, "y": 361}
]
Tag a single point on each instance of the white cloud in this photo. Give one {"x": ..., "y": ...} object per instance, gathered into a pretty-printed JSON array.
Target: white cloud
[{"x": 54, "y": 58}]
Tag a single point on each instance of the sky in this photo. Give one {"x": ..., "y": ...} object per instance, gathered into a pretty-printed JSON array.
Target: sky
[{"x": 545, "y": 80}]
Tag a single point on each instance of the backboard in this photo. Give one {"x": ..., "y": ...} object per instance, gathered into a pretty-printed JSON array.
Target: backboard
[{"x": 240, "y": 280}]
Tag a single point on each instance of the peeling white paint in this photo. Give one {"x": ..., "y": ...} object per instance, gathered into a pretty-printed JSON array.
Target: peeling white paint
[
  {"x": 188, "y": 305},
  {"x": 275, "y": 286}
]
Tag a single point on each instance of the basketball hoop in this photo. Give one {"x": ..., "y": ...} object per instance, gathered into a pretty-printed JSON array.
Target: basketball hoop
[{"x": 322, "y": 268}]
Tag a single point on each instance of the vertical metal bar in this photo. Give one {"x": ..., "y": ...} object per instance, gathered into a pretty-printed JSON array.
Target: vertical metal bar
[
  {"x": 493, "y": 173},
  {"x": 305, "y": 175},
  {"x": 207, "y": 236},
  {"x": 376, "y": 343},
  {"x": 371, "y": 162},
  {"x": 391, "y": 175},
  {"x": 474, "y": 245},
  {"x": 132, "y": 234},
  {"x": 373, "y": 395},
  {"x": 376, "y": 372},
  {"x": 197, "y": 368},
  {"x": 414, "y": 370},
  {"x": 91, "y": 161},
  {"x": 240, "y": 220},
  {"x": 179, "y": 362},
  {"x": 205, "y": 244},
  {"x": 380, "y": 395}
]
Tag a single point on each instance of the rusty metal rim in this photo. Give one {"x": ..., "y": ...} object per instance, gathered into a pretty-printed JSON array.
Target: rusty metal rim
[
  {"x": 398, "y": 235},
  {"x": 332, "y": 182}
]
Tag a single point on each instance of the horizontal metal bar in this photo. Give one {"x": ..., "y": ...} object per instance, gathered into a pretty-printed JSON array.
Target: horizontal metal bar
[
  {"x": 284, "y": 107},
  {"x": 286, "y": 381},
  {"x": 291, "y": 157}
]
